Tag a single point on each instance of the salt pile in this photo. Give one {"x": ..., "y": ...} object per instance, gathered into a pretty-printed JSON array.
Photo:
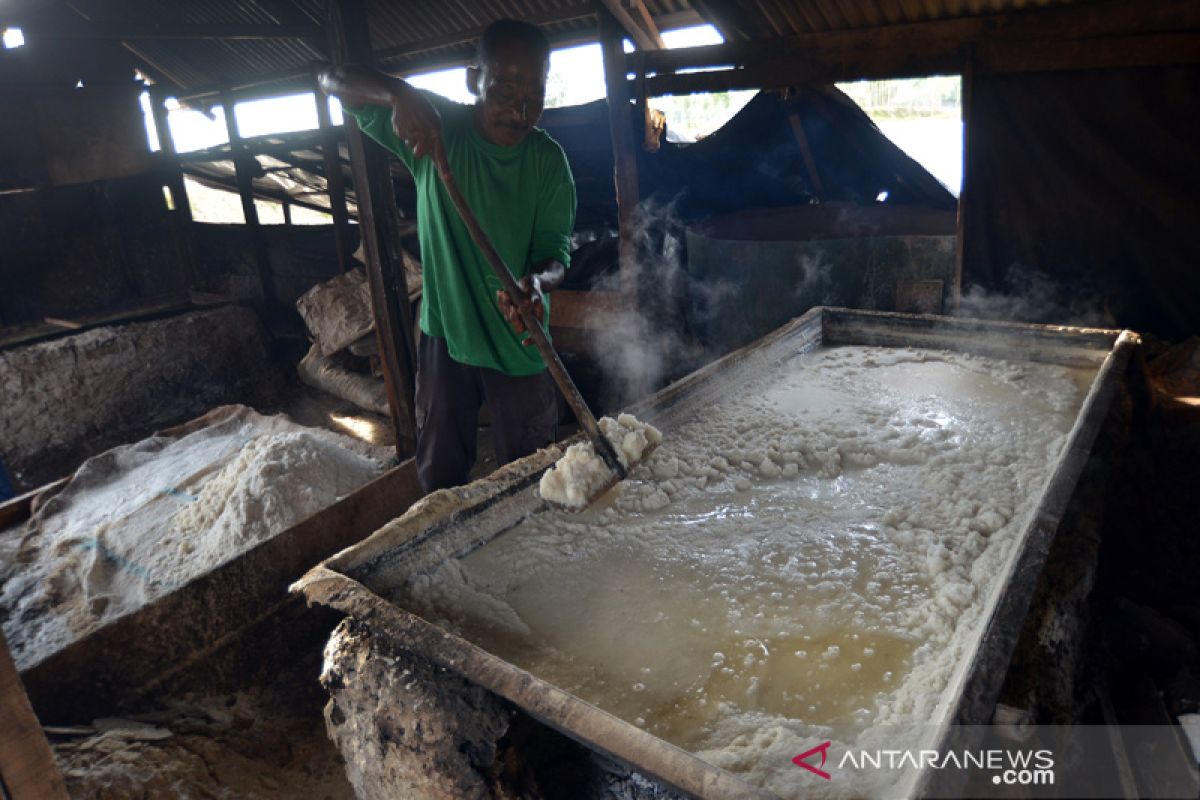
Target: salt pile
[
  {"x": 142, "y": 520},
  {"x": 817, "y": 551},
  {"x": 581, "y": 472},
  {"x": 274, "y": 482}
]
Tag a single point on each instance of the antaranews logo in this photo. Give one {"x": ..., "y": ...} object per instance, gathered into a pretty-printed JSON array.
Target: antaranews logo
[
  {"x": 1019, "y": 767},
  {"x": 802, "y": 760}
]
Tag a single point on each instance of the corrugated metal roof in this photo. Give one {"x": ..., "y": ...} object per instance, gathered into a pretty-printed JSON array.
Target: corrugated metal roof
[
  {"x": 772, "y": 18},
  {"x": 420, "y": 34}
]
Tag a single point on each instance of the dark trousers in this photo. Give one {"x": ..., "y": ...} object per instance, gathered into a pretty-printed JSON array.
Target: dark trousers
[{"x": 524, "y": 412}]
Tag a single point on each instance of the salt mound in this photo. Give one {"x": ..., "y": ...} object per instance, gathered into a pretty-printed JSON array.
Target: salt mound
[
  {"x": 578, "y": 475},
  {"x": 275, "y": 481}
]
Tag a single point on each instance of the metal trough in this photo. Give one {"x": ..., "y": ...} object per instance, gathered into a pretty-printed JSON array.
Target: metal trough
[{"x": 451, "y": 523}]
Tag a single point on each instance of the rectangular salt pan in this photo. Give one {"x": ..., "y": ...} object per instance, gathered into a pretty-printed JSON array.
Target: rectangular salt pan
[{"x": 816, "y": 550}]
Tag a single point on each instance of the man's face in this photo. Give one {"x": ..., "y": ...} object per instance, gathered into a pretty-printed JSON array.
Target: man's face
[{"x": 511, "y": 93}]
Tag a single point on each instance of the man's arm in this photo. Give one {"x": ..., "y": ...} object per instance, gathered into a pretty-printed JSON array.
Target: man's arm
[{"x": 414, "y": 118}]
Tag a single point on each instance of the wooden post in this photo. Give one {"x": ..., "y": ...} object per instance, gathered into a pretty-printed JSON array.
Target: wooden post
[
  {"x": 335, "y": 182},
  {"x": 625, "y": 171},
  {"x": 379, "y": 226},
  {"x": 810, "y": 163},
  {"x": 968, "y": 79},
  {"x": 181, "y": 217},
  {"x": 27, "y": 767},
  {"x": 287, "y": 212},
  {"x": 243, "y": 160}
]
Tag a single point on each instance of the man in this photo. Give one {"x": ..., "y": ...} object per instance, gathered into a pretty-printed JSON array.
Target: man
[{"x": 473, "y": 345}]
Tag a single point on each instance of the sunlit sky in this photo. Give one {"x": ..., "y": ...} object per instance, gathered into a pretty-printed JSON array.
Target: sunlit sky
[
  {"x": 576, "y": 76},
  {"x": 577, "y": 73}
]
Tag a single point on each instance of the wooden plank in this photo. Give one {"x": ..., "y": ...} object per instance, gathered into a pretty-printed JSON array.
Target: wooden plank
[
  {"x": 960, "y": 223},
  {"x": 646, "y": 20},
  {"x": 335, "y": 182},
  {"x": 27, "y": 767},
  {"x": 231, "y": 186},
  {"x": 18, "y": 509},
  {"x": 243, "y": 161},
  {"x": 271, "y": 144},
  {"x": 63, "y": 323},
  {"x": 625, "y": 170},
  {"x": 1085, "y": 36},
  {"x": 939, "y": 37},
  {"x": 27, "y": 334},
  {"x": 810, "y": 163},
  {"x": 379, "y": 225},
  {"x": 645, "y": 40},
  {"x": 1142, "y": 50},
  {"x": 180, "y": 217}
]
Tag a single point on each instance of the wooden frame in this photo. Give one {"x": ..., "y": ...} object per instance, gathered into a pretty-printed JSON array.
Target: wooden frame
[{"x": 356, "y": 581}]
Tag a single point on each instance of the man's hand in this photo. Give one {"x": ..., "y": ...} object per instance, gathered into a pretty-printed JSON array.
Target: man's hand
[
  {"x": 414, "y": 118},
  {"x": 418, "y": 123},
  {"x": 532, "y": 301}
]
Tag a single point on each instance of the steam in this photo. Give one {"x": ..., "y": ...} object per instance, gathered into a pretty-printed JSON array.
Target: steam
[
  {"x": 641, "y": 346},
  {"x": 1028, "y": 295},
  {"x": 816, "y": 279}
]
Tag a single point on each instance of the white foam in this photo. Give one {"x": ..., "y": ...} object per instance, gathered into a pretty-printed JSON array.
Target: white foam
[{"x": 778, "y": 566}]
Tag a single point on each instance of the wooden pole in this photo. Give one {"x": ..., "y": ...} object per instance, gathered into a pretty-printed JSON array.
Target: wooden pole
[
  {"x": 335, "y": 182},
  {"x": 625, "y": 170},
  {"x": 181, "y": 216},
  {"x": 810, "y": 163},
  {"x": 642, "y": 38},
  {"x": 379, "y": 226},
  {"x": 960, "y": 249},
  {"x": 27, "y": 767},
  {"x": 243, "y": 161}
]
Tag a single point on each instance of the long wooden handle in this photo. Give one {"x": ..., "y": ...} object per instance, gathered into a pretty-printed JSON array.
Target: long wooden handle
[{"x": 575, "y": 400}]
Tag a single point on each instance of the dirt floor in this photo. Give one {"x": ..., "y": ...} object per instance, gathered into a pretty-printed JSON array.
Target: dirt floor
[{"x": 267, "y": 742}]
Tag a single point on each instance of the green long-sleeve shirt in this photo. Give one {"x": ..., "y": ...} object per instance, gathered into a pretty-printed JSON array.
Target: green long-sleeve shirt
[{"x": 524, "y": 198}]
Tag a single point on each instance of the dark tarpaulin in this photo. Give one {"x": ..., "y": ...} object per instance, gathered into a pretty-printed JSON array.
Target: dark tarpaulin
[
  {"x": 1084, "y": 188},
  {"x": 753, "y": 161}
]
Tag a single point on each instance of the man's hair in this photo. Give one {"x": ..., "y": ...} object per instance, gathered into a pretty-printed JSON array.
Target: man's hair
[{"x": 503, "y": 31}]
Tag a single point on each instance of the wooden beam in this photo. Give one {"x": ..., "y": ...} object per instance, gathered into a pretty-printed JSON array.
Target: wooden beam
[
  {"x": 335, "y": 182},
  {"x": 18, "y": 509},
  {"x": 289, "y": 82},
  {"x": 960, "y": 224},
  {"x": 379, "y": 225},
  {"x": 180, "y": 218},
  {"x": 1083, "y": 36},
  {"x": 939, "y": 37},
  {"x": 1141, "y": 50},
  {"x": 810, "y": 163},
  {"x": 278, "y": 197},
  {"x": 625, "y": 170},
  {"x": 139, "y": 29},
  {"x": 1107, "y": 52},
  {"x": 27, "y": 767},
  {"x": 647, "y": 22},
  {"x": 643, "y": 39},
  {"x": 271, "y": 144},
  {"x": 244, "y": 164},
  {"x": 730, "y": 18}
]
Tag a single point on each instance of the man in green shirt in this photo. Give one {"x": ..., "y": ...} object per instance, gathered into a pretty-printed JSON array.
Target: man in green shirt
[{"x": 473, "y": 346}]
